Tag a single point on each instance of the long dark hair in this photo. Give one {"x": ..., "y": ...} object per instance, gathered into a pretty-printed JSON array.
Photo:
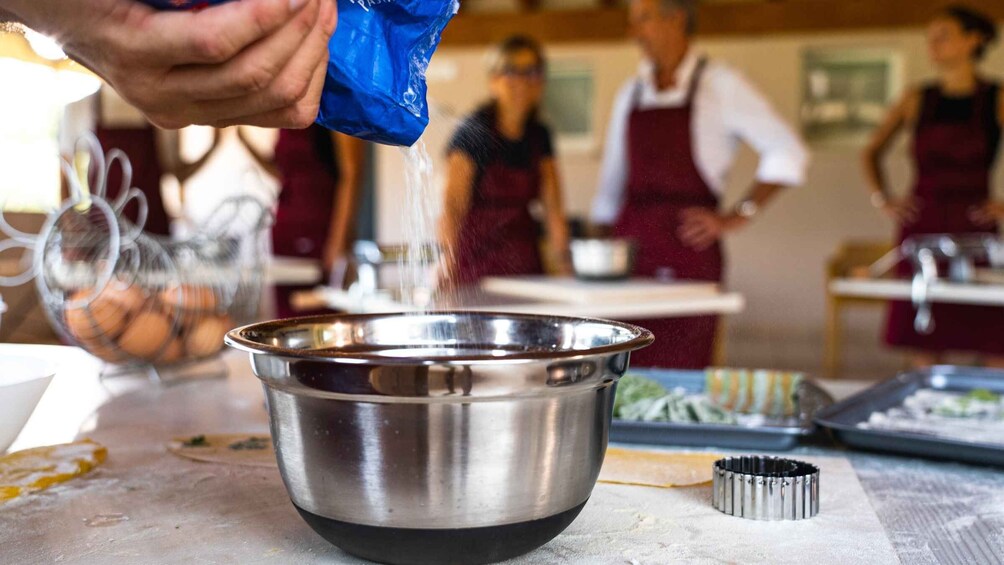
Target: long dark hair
[
  {"x": 507, "y": 48},
  {"x": 973, "y": 21}
]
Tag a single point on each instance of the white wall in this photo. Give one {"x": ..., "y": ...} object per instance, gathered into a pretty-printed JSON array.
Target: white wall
[{"x": 777, "y": 262}]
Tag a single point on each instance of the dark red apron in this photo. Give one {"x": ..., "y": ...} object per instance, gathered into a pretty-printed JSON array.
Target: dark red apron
[
  {"x": 953, "y": 162},
  {"x": 498, "y": 236},
  {"x": 140, "y": 145},
  {"x": 305, "y": 205},
  {"x": 663, "y": 180}
]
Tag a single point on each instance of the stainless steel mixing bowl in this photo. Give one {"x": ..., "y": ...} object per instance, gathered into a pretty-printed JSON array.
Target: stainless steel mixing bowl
[
  {"x": 602, "y": 259},
  {"x": 439, "y": 438}
]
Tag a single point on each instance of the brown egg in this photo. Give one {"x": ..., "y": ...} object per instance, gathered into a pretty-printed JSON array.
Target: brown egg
[
  {"x": 189, "y": 297},
  {"x": 145, "y": 335},
  {"x": 107, "y": 353},
  {"x": 101, "y": 317},
  {"x": 172, "y": 353},
  {"x": 206, "y": 337},
  {"x": 106, "y": 314}
]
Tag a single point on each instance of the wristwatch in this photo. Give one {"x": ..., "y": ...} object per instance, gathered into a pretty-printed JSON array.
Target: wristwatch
[
  {"x": 747, "y": 209},
  {"x": 878, "y": 199}
]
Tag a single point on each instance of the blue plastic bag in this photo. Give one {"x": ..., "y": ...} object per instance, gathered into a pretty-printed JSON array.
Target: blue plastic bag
[{"x": 375, "y": 88}]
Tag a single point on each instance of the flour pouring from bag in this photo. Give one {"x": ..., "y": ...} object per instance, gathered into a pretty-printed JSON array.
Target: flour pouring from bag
[{"x": 375, "y": 84}]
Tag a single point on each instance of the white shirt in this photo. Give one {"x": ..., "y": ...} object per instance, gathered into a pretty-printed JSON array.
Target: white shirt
[{"x": 727, "y": 110}]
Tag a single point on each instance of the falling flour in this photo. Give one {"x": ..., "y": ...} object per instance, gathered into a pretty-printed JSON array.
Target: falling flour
[{"x": 418, "y": 225}]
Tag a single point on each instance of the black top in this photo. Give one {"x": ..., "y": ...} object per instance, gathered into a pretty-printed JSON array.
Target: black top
[
  {"x": 954, "y": 109},
  {"x": 479, "y": 138}
]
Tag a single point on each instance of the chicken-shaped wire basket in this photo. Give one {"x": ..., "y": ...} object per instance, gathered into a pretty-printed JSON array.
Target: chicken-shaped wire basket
[{"x": 138, "y": 301}]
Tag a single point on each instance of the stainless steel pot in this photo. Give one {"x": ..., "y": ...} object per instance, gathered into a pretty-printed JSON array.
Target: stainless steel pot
[
  {"x": 602, "y": 259},
  {"x": 434, "y": 438}
]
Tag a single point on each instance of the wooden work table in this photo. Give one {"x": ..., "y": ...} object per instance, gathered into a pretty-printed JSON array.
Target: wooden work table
[
  {"x": 636, "y": 300},
  {"x": 145, "y": 505}
]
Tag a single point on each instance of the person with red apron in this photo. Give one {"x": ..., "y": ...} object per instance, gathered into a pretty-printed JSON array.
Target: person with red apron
[
  {"x": 320, "y": 174},
  {"x": 670, "y": 145},
  {"x": 152, "y": 153},
  {"x": 956, "y": 136},
  {"x": 501, "y": 162},
  {"x": 139, "y": 142}
]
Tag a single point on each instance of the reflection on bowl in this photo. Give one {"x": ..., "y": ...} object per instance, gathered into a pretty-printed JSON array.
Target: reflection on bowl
[
  {"x": 603, "y": 259},
  {"x": 439, "y": 438},
  {"x": 22, "y": 382}
]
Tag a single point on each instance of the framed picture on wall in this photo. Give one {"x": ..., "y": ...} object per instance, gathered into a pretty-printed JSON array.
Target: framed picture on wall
[
  {"x": 846, "y": 92},
  {"x": 568, "y": 105}
]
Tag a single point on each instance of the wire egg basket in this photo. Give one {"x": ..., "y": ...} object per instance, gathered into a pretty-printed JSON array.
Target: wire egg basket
[{"x": 135, "y": 300}]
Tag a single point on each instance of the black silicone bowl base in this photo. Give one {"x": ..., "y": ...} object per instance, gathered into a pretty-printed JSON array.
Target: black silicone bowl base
[{"x": 467, "y": 546}]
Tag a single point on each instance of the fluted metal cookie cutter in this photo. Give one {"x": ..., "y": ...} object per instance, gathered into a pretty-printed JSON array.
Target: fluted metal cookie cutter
[{"x": 765, "y": 488}]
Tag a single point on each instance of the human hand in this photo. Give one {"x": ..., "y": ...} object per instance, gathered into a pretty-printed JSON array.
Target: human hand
[
  {"x": 562, "y": 267},
  {"x": 445, "y": 276},
  {"x": 255, "y": 62},
  {"x": 700, "y": 228},
  {"x": 987, "y": 215},
  {"x": 904, "y": 212}
]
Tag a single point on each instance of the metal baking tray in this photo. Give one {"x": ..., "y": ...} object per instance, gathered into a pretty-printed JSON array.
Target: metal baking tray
[
  {"x": 843, "y": 417},
  {"x": 771, "y": 437}
]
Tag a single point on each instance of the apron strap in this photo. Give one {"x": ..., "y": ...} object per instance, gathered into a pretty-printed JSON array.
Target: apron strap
[
  {"x": 695, "y": 81},
  {"x": 636, "y": 93}
]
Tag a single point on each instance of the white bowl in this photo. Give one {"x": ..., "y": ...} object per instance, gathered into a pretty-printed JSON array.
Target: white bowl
[{"x": 22, "y": 382}]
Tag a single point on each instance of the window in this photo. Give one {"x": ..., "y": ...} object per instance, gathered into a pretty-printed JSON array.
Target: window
[{"x": 31, "y": 107}]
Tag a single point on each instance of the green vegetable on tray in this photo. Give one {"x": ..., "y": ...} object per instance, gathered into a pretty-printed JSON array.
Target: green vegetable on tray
[
  {"x": 984, "y": 395},
  {"x": 644, "y": 400},
  {"x": 632, "y": 388},
  {"x": 977, "y": 403},
  {"x": 728, "y": 393}
]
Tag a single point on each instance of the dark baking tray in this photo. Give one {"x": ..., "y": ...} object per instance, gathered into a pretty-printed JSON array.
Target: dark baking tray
[
  {"x": 843, "y": 417},
  {"x": 767, "y": 437}
]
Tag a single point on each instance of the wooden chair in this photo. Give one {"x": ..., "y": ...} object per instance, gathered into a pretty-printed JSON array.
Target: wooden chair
[{"x": 851, "y": 260}]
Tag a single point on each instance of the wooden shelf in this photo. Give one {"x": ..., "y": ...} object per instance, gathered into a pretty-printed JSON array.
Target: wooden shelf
[{"x": 609, "y": 23}]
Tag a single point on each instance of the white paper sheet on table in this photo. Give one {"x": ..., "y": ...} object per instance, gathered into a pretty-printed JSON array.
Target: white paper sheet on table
[{"x": 628, "y": 524}]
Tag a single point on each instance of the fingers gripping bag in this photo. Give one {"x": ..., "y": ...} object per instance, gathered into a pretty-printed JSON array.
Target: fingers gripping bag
[{"x": 375, "y": 87}]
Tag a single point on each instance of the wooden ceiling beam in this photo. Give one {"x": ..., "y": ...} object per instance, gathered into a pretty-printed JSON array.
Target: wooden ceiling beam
[
  {"x": 600, "y": 24},
  {"x": 825, "y": 15},
  {"x": 609, "y": 23}
]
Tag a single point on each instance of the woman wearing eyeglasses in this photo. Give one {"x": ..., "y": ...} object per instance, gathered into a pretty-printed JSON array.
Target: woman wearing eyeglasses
[{"x": 501, "y": 161}]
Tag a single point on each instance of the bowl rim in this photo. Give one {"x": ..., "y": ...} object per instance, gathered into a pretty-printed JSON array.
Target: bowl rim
[
  {"x": 48, "y": 370},
  {"x": 236, "y": 339}
]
